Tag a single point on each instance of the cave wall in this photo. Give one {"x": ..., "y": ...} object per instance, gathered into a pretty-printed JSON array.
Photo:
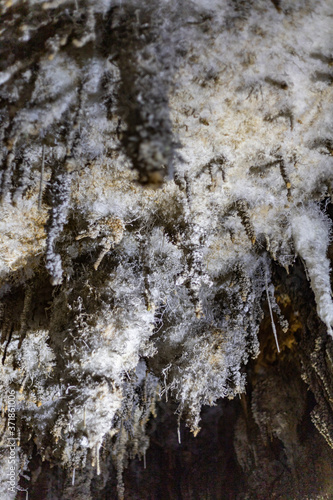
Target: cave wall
[{"x": 166, "y": 190}]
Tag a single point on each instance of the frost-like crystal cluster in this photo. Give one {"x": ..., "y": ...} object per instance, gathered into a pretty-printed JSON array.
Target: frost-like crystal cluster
[{"x": 156, "y": 157}]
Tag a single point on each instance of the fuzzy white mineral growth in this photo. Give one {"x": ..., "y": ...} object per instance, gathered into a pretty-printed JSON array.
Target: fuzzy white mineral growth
[
  {"x": 204, "y": 129},
  {"x": 311, "y": 236}
]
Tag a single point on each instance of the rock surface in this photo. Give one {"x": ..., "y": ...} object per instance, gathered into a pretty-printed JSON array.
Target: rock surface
[{"x": 166, "y": 207}]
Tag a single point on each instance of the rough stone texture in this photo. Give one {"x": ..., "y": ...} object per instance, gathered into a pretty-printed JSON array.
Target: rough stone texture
[{"x": 166, "y": 190}]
